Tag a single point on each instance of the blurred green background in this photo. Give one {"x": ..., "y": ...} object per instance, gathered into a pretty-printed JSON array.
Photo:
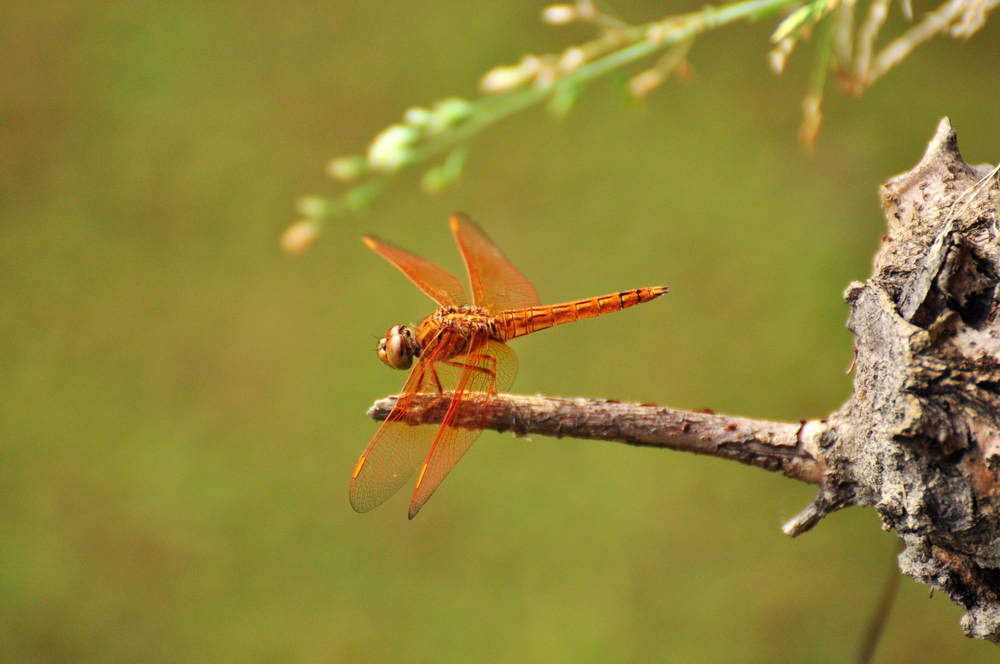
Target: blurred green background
[{"x": 181, "y": 405}]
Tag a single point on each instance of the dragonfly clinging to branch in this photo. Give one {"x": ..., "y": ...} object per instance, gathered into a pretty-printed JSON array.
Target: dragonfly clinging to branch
[{"x": 462, "y": 348}]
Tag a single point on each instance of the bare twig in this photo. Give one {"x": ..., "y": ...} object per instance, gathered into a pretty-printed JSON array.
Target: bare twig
[
  {"x": 876, "y": 623},
  {"x": 791, "y": 447},
  {"x": 878, "y": 11},
  {"x": 843, "y": 35}
]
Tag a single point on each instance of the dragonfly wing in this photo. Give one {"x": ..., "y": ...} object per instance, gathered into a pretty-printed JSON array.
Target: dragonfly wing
[
  {"x": 397, "y": 449},
  {"x": 488, "y": 368},
  {"x": 496, "y": 284},
  {"x": 437, "y": 283}
]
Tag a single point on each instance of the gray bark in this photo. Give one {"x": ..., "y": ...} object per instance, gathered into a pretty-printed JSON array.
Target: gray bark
[{"x": 919, "y": 438}]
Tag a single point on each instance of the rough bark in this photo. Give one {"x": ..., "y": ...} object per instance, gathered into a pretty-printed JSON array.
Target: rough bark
[{"x": 919, "y": 438}]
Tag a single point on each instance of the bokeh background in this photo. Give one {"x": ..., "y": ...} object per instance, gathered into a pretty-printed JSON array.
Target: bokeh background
[{"x": 181, "y": 405}]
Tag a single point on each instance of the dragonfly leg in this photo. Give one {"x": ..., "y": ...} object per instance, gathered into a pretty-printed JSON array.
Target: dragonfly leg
[
  {"x": 475, "y": 365},
  {"x": 431, "y": 375},
  {"x": 427, "y": 379},
  {"x": 434, "y": 376}
]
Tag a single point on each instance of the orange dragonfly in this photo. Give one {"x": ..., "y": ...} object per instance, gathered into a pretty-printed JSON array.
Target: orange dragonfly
[{"x": 461, "y": 347}]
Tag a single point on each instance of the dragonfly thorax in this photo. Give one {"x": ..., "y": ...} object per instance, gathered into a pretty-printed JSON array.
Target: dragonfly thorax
[
  {"x": 461, "y": 322},
  {"x": 398, "y": 347}
]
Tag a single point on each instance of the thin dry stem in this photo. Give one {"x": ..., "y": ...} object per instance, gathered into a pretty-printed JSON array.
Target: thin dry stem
[
  {"x": 878, "y": 11},
  {"x": 789, "y": 447},
  {"x": 956, "y": 12},
  {"x": 843, "y": 35}
]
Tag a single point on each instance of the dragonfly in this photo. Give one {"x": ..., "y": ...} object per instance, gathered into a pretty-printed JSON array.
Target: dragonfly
[{"x": 459, "y": 348}]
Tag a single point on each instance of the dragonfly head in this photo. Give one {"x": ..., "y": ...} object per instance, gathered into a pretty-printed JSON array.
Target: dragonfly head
[{"x": 398, "y": 347}]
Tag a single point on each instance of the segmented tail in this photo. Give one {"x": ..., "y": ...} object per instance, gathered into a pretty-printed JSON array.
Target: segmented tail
[{"x": 518, "y": 322}]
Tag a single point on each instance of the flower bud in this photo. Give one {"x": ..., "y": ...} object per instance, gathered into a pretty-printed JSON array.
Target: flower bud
[
  {"x": 418, "y": 116},
  {"x": 315, "y": 207},
  {"x": 392, "y": 147},
  {"x": 502, "y": 79},
  {"x": 347, "y": 169},
  {"x": 559, "y": 14},
  {"x": 571, "y": 59},
  {"x": 299, "y": 236},
  {"x": 645, "y": 82},
  {"x": 453, "y": 111}
]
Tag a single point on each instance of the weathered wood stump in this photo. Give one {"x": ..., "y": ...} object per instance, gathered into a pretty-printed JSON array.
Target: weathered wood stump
[{"x": 919, "y": 439}]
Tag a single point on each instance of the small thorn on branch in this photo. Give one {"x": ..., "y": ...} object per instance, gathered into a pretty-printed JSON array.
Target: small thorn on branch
[
  {"x": 810, "y": 516},
  {"x": 789, "y": 447}
]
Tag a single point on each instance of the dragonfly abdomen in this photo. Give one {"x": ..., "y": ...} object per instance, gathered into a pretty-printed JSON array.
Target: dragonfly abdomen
[{"x": 518, "y": 322}]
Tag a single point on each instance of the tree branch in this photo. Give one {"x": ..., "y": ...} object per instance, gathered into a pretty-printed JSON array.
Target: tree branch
[{"x": 789, "y": 447}]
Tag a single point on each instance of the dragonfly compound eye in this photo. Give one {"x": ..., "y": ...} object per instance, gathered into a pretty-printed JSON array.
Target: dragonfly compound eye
[{"x": 398, "y": 347}]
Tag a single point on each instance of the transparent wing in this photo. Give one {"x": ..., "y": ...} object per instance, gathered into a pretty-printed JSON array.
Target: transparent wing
[
  {"x": 437, "y": 283},
  {"x": 396, "y": 449},
  {"x": 496, "y": 284},
  {"x": 489, "y": 367}
]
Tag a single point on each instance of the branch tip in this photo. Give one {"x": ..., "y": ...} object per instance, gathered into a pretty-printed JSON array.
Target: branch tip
[{"x": 810, "y": 516}]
